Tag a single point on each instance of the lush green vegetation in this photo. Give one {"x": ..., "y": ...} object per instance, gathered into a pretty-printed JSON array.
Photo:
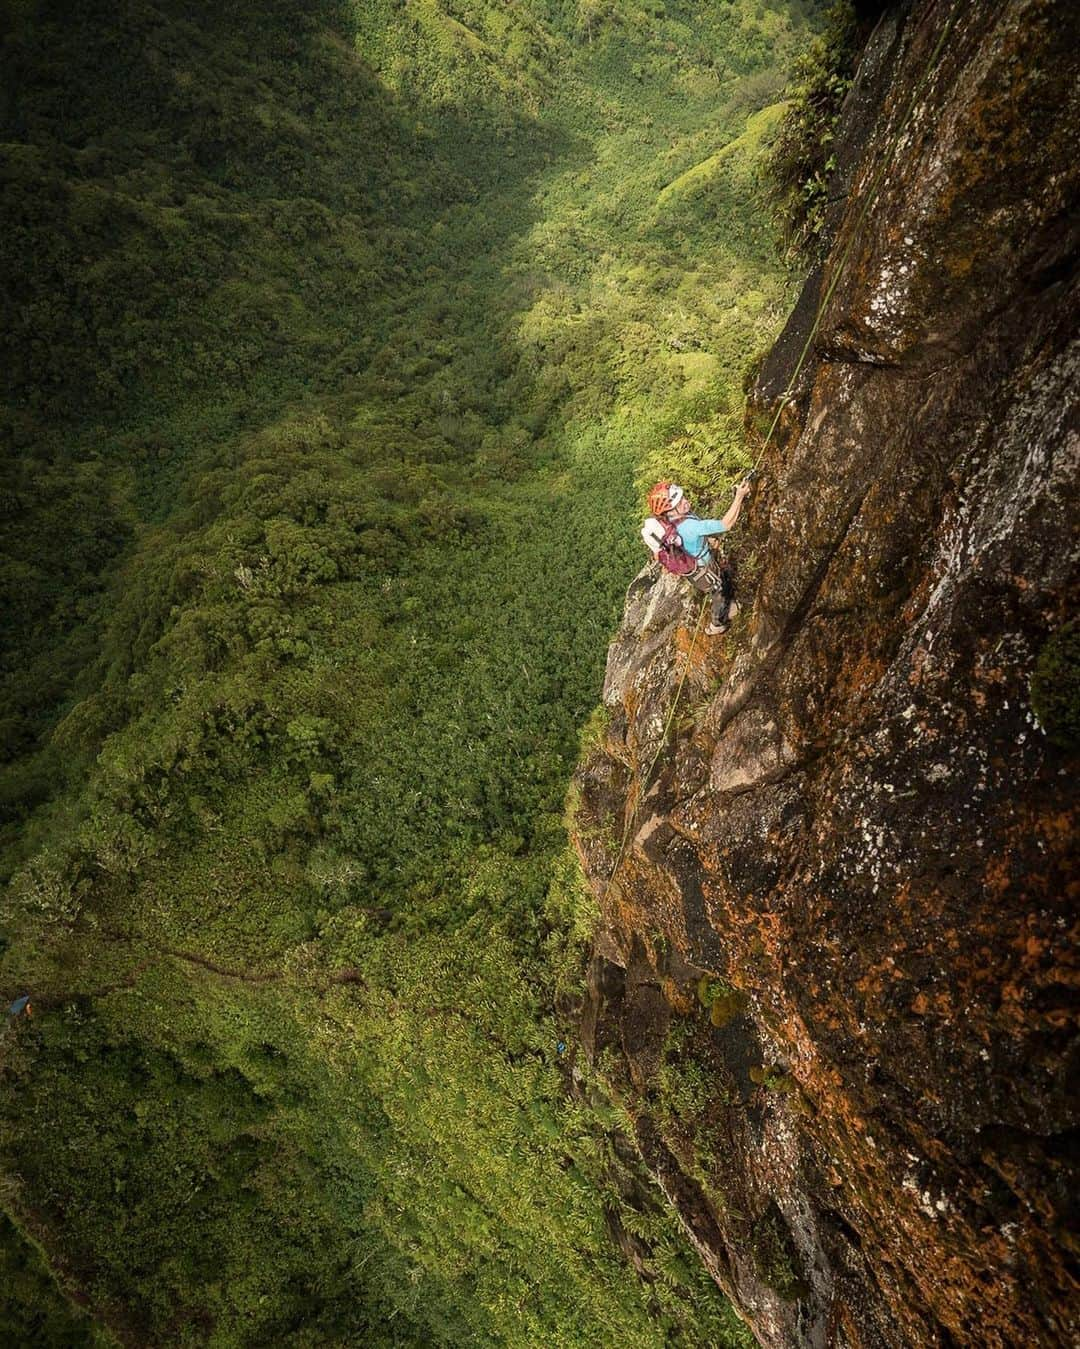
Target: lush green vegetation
[
  {"x": 802, "y": 159},
  {"x": 31, "y": 1310},
  {"x": 338, "y": 348}
]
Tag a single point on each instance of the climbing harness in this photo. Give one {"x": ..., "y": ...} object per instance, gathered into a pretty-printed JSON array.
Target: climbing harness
[{"x": 786, "y": 397}]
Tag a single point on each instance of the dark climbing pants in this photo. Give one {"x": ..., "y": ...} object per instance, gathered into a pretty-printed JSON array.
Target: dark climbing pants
[{"x": 715, "y": 579}]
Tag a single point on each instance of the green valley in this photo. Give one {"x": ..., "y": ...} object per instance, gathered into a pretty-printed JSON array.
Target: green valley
[{"x": 338, "y": 347}]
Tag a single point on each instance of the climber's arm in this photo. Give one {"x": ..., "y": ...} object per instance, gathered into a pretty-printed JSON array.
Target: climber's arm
[{"x": 732, "y": 512}]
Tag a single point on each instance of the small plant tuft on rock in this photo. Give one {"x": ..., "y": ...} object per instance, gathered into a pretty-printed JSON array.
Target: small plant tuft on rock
[
  {"x": 720, "y": 1000},
  {"x": 1055, "y": 687},
  {"x": 775, "y": 1256}
]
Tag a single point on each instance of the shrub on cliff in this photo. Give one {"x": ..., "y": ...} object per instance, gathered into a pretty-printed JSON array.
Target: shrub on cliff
[{"x": 801, "y": 160}]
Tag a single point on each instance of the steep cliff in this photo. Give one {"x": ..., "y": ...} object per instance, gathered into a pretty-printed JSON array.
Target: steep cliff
[{"x": 834, "y": 979}]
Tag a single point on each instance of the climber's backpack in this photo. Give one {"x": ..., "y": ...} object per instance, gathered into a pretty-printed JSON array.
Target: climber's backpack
[{"x": 671, "y": 554}]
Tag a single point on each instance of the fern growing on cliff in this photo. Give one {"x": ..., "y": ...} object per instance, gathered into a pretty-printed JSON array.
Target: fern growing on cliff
[{"x": 801, "y": 160}]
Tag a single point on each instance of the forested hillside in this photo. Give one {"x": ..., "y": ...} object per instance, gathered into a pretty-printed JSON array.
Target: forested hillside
[{"x": 338, "y": 341}]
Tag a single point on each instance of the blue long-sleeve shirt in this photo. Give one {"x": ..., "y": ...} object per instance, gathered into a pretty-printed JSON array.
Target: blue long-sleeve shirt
[{"x": 695, "y": 532}]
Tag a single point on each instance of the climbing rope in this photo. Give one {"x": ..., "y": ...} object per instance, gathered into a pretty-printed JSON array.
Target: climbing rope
[
  {"x": 663, "y": 738},
  {"x": 871, "y": 194},
  {"x": 789, "y": 394}
]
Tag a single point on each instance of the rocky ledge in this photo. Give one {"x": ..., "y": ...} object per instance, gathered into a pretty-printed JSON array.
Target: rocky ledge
[{"x": 834, "y": 981}]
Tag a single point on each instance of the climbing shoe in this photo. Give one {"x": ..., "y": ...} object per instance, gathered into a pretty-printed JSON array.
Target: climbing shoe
[{"x": 715, "y": 629}]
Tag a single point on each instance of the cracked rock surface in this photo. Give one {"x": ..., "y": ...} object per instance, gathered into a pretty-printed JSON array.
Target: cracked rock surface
[{"x": 835, "y": 978}]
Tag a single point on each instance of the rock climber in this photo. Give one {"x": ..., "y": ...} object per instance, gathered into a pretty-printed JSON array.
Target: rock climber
[{"x": 679, "y": 540}]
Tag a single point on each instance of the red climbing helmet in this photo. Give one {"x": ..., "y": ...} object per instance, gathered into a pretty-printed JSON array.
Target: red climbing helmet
[{"x": 664, "y": 497}]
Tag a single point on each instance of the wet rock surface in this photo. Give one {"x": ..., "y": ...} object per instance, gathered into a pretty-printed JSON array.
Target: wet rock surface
[{"x": 836, "y": 972}]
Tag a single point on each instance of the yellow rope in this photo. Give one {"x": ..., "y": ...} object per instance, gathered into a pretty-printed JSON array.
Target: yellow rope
[{"x": 788, "y": 394}]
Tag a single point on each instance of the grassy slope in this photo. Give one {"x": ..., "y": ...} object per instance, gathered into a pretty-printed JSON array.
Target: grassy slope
[{"x": 376, "y": 352}]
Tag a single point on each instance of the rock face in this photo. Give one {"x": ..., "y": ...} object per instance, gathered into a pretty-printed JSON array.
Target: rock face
[{"x": 835, "y": 977}]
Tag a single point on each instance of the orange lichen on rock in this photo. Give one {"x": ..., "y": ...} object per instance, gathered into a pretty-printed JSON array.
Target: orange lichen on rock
[{"x": 867, "y": 834}]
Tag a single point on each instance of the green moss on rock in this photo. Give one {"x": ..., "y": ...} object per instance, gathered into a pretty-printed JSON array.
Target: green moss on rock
[{"x": 1055, "y": 687}]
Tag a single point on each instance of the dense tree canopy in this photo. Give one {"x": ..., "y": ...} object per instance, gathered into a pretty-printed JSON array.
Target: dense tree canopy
[{"x": 337, "y": 346}]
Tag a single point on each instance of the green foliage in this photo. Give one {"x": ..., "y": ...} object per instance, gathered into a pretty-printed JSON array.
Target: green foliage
[
  {"x": 1055, "y": 687},
  {"x": 801, "y": 160},
  {"x": 33, "y": 1311},
  {"x": 773, "y": 1079},
  {"x": 720, "y": 1000},
  {"x": 339, "y": 342},
  {"x": 187, "y": 1168},
  {"x": 775, "y": 1256},
  {"x": 684, "y": 1090}
]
